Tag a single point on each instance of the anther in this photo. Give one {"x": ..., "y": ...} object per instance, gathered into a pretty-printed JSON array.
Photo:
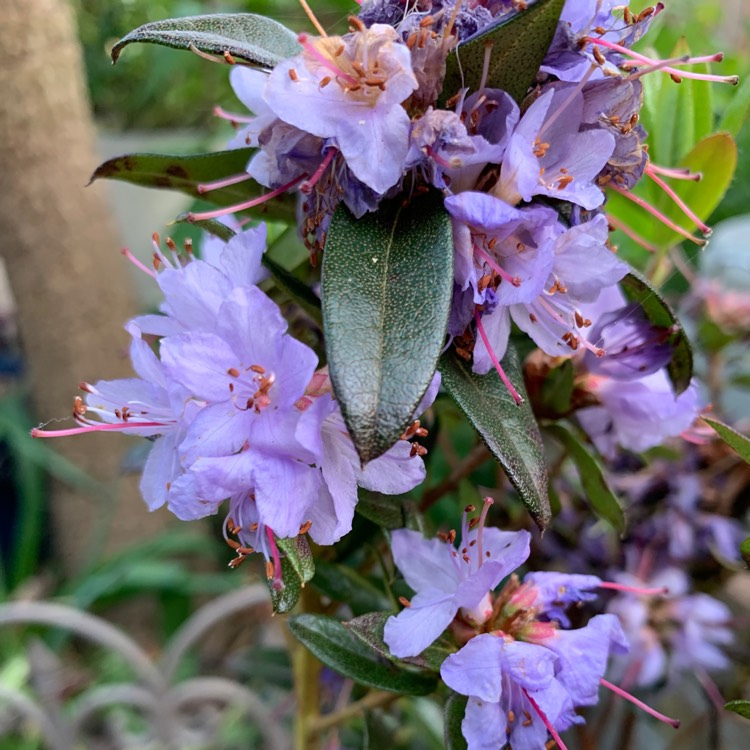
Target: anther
[{"x": 404, "y": 601}]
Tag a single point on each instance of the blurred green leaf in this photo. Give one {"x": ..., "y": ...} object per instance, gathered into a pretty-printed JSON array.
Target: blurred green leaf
[
  {"x": 341, "y": 583},
  {"x": 246, "y": 36},
  {"x": 738, "y": 442},
  {"x": 387, "y": 284},
  {"x": 510, "y": 431},
  {"x": 517, "y": 47},
  {"x": 455, "y": 708},
  {"x": 343, "y": 652},
  {"x": 735, "y": 115},
  {"x": 596, "y": 489}
]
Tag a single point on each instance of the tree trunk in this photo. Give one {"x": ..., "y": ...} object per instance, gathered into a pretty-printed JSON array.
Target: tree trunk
[{"x": 66, "y": 272}]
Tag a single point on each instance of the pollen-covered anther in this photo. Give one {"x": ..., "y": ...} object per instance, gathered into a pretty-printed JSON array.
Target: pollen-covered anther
[
  {"x": 540, "y": 148},
  {"x": 564, "y": 181},
  {"x": 404, "y": 601},
  {"x": 233, "y": 372},
  {"x": 79, "y": 408},
  {"x": 269, "y": 570},
  {"x": 305, "y": 527}
]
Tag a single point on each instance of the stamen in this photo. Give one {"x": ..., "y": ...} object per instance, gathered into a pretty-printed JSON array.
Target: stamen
[
  {"x": 243, "y": 206},
  {"x": 487, "y": 502},
  {"x": 643, "y": 591},
  {"x": 312, "y": 50},
  {"x": 657, "y": 214},
  {"x": 718, "y": 57},
  {"x": 515, "y": 280},
  {"x": 566, "y": 103},
  {"x": 623, "y": 227},
  {"x": 93, "y": 427},
  {"x": 278, "y": 583},
  {"x": 313, "y": 20},
  {"x": 676, "y": 173},
  {"x": 628, "y": 697},
  {"x": 485, "y": 66},
  {"x": 705, "y": 229},
  {"x": 513, "y": 392},
  {"x": 307, "y": 186},
  {"x": 233, "y": 117},
  {"x": 137, "y": 263},
  {"x": 543, "y": 717},
  {"x": 211, "y": 58},
  {"x": 207, "y": 187}
]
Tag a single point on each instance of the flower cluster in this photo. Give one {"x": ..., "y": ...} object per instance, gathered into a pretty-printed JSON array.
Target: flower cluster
[
  {"x": 236, "y": 409},
  {"x": 522, "y": 667}
]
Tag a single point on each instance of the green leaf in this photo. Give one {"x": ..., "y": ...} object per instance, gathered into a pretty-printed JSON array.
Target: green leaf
[
  {"x": 387, "y": 283},
  {"x": 288, "y": 283},
  {"x": 745, "y": 550},
  {"x": 388, "y": 511},
  {"x": 185, "y": 173},
  {"x": 297, "y": 551},
  {"x": 738, "y": 442},
  {"x": 369, "y": 628},
  {"x": 638, "y": 289},
  {"x": 597, "y": 491},
  {"x": 343, "y": 652},
  {"x": 739, "y": 707},
  {"x": 246, "y": 36},
  {"x": 285, "y": 600},
  {"x": 342, "y": 584},
  {"x": 510, "y": 432},
  {"x": 735, "y": 114},
  {"x": 455, "y": 708},
  {"x": 517, "y": 45}
]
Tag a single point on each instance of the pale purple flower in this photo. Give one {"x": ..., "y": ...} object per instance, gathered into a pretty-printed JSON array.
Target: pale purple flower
[
  {"x": 449, "y": 580},
  {"x": 548, "y": 153},
  {"x": 248, "y": 85},
  {"x": 352, "y": 96}
]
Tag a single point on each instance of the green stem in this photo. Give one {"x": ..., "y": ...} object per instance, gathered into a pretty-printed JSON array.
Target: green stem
[
  {"x": 306, "y": 671},
  {"x": 373, "y": 699}
]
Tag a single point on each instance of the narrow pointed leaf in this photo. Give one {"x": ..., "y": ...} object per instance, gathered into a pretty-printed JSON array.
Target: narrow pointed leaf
[
  {"x": 387, "y": 282},
  {"x": 343, "y": 652},
  {"x": 597, "y": 491},
  {"x": 245, "y": 36},
  {"x": 340, "y": 583},
  {"x": 510, "y": 432},
  {"x": 297, "y": 551},
  {"x": 295, "y": 289},
  {"x": 185, "y": 173},
  {"x": 285, "y": 600},
  {"x": 738, "y": 442},
  {"x": 518, "y": 46},
  {"x": 637, "y": 289}
]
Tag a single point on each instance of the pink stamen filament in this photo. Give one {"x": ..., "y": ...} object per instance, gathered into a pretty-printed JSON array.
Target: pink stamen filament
[
  {"x": 705, "y": 229},
  {"x": 243, "y": 206},
  {"x": 646, "y": 69},
  {"x": 207, "y": 187},
  {"x": 506, "y": 381},
  {"x": 138, "y": 263},
  {"x": 672, "y": 71},
  {"x": 657, "y": 214},
  {"x": 582, "y": 340},
  {"x": 496, "y": 268},
  {"x": 615, "y": 222},
  {"x": 640, "y": 704},
  {"x": 676, "y": 173},
  {"x": 278, "y": 584},
  {"x": 482, "y": 518},
  {"x": 308, "y": 185},
  {"x": 643, "y": 591},
  {"x": 93, "y": 427},
  {"x": 440, "y": 161},
  {"x": 543, "y": 717},
  {"x": 232, "y": 116},
  {"x": 310, "y": 48}
]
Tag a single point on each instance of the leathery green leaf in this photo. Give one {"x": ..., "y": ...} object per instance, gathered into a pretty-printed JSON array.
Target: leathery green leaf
[
  {"x": 516, "y": 48},
  {"x": 343, "y": 652},
  {"x": 246, "y": 36},
  {"x": 637, "y": 289},
  {"x": 510, "y": 431},
  {"x": 185, "y": 173},
  {"x": 455, "y": 708},
  {"x": 387, "y": 281}
]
